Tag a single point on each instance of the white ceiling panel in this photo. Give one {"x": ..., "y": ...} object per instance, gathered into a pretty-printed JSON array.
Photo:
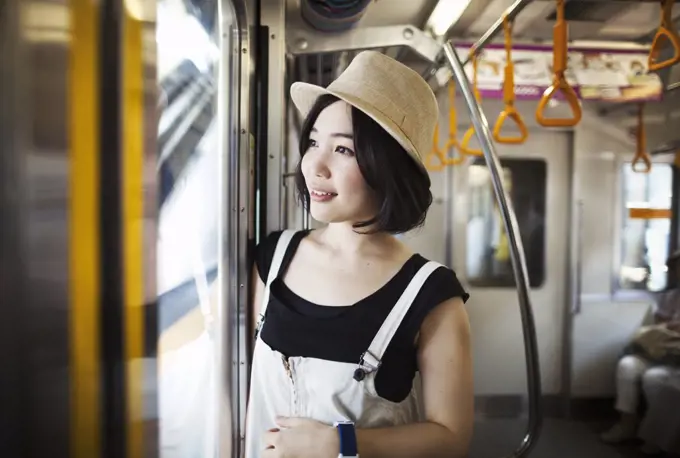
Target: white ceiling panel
[
  {"x": 490, "y": 15},
  {"x": 625, "y": 20},
  {"x": 397, "y": 12}
]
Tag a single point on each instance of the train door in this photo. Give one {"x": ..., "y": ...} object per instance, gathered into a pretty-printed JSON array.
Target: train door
[
  {"x": 204, "y": 53},
  {"x": 537, "y": 178}
]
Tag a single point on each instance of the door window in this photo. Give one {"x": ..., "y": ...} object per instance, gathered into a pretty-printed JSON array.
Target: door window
[{"x": 488, "y": 261}]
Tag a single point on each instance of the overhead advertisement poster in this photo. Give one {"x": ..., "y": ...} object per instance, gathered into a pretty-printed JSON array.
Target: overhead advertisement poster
[{"x": 595, "y": 74}]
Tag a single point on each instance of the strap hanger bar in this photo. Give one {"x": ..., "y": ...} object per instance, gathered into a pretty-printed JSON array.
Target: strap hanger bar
[{"x": 496, "y": 28}]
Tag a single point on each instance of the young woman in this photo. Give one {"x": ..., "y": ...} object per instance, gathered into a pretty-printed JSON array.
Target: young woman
[{"x": 363, "y": 347}]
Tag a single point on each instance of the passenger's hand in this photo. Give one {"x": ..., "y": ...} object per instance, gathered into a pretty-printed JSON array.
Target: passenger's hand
[
  {"x": 673, "y": 326},
  {"x": 301, "y": 438}
]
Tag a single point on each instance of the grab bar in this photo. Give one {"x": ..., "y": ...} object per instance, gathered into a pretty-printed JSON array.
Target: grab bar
[
  {"x": 519, "y": 265},
  {"x": 495, "y": 29},
  {"x": 578, "y": 264}
]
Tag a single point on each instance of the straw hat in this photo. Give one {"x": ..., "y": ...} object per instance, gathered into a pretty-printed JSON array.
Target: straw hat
[{"x": 391, "y": 93}]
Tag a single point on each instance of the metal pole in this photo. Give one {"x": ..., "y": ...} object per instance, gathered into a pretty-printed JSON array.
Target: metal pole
[
  {"x": 490, "y": 34},
  {"x": 519, "y": 265},
  {"x": 668, "y": 148}
]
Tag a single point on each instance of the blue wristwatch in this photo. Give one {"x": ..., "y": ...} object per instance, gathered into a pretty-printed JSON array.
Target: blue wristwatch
[{"x": 348, "y": 439}]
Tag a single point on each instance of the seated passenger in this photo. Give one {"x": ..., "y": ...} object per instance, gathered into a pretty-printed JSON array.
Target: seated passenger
[{"x": 644, "y": 372}]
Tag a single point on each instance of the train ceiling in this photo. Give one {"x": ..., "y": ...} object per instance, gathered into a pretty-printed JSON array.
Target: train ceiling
[
  {"x": 625, "y": 21},
  {"x": 601, "y": 20},
  {"x": 622, "y": 22}
]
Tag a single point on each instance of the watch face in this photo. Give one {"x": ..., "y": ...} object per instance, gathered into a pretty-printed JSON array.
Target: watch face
[{"x": 345, "y": 422}]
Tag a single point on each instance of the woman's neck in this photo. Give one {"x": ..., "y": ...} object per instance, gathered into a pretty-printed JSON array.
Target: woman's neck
[{"x": 343, "y": 238}]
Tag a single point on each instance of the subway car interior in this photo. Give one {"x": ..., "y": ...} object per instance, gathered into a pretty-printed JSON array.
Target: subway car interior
[{"x": 148, "y": 146}]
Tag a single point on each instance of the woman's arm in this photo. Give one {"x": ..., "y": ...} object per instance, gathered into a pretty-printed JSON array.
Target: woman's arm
[
  {"x": 256, "y": 293},
  {"x": 445, "y": 363}
]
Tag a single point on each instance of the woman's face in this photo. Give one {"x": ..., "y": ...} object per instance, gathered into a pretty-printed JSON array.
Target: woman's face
[{"x": 337, "y": 189}]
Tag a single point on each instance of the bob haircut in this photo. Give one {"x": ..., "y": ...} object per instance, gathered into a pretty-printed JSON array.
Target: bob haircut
[{"x": 401, "y": 188}]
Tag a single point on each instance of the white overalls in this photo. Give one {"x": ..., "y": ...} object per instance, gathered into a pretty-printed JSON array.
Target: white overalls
[{"x": 326, "y": 391}]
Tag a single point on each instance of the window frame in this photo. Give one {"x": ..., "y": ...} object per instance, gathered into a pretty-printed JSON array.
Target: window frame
[{"x": 674, "y": 238}]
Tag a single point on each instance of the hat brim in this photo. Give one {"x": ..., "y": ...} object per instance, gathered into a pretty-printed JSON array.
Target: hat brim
[{"x": 305, "y": 95}]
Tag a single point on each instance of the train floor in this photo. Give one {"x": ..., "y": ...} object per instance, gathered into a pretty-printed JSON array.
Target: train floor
[{"x": 499, "y": 437}]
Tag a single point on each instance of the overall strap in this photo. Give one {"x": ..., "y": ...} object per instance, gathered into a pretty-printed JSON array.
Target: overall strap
[
  {"x": 371, "y": 360},
  {"x": 274, "y": 267}
]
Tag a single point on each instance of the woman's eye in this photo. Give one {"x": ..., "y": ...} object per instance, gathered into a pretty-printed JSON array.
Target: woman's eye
[
  {"x": 311, "y": 143},
  {"x": 344, "y": 150}
]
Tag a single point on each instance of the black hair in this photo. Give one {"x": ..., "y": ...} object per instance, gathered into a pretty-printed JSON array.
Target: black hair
[{"x": 401, "y": 187}]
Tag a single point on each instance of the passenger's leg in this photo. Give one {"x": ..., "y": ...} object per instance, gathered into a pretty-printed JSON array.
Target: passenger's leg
[
  {"x": 628, "y": 380},
  {"x": 658, "y": 429}
]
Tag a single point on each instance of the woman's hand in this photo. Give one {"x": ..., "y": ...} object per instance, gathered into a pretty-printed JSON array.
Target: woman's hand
[{"x": 301, "y": 438}]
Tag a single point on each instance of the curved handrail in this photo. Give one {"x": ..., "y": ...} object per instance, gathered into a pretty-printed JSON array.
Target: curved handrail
[
  {"x": 519, "y": 265},
  {"x": 560, "y": 40},
  {"x": 641, "y": 153},
  {"x": 471, "y": 130},
  {"x": 667, "y": 31},
  {"x": 509, "y": 111}
]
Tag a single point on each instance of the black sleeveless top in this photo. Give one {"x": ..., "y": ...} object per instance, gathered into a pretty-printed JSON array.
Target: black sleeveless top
[{"x": 296, "y": 327}]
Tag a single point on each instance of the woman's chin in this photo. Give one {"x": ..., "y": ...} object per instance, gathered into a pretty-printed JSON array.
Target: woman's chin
[
  {"x": 324, "y": 216},
  {"x": 327, "y": 214}
]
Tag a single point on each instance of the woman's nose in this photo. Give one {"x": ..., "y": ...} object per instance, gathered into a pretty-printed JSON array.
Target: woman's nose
[{"x": 319, "y": 166}]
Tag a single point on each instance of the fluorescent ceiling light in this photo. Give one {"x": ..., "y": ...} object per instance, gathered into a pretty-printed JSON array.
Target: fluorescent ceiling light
[{"x": 445, "y": 14}]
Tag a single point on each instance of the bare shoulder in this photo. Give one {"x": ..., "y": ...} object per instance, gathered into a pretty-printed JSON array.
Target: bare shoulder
[{"x": 448, "y": 321}]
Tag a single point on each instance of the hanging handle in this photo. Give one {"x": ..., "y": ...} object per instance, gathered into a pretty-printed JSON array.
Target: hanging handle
[
  {"x": 471, "y": 130},
  {"x": 560, "y": 39},
  {"x": 434, "y": 161},
  {"x": 666, "y": 31},
  {"x": 452, "y": 143},
  {"x": 641, "y": 153},
  {"x": 509, "y": 111},
  {"x": 438, "y": 158},
  {"x": 515, "y": 116}
]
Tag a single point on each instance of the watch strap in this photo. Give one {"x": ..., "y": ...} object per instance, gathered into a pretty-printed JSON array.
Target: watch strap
[{"x": 348, "y": 439}]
